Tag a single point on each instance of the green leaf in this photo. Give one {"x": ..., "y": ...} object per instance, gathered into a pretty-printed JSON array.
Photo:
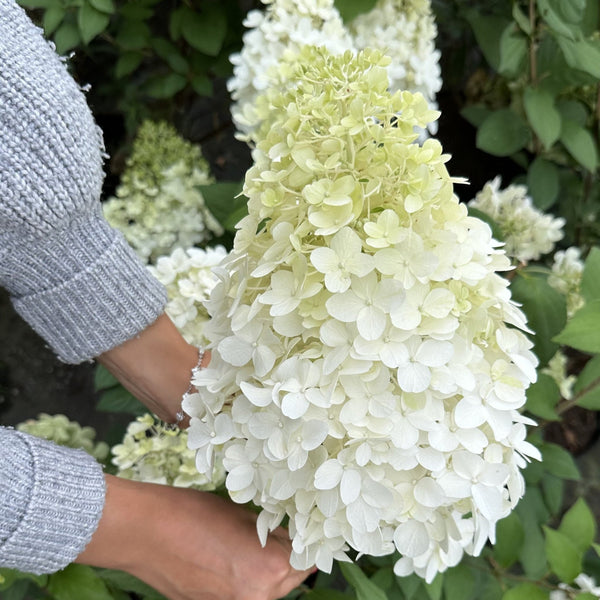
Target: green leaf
[
  {"x": 66, "y": 37},
  {"x": 532, "y": 555},
  {"x": 435, "y": 588},
  {"x": 165, "y": 86},
  {"x": 205, "y": 30},
  {"x": 350, "y": 9},
  {"x": 582, "y": 54},
  {"x": 589, "y": 380},
  {"x": 579, "y": 525},
  {"x": 459, "y": 583},
  {"x": 559, "y": 462},
  {"x": 586, "y": 596},
  {"x": 135, "y": 12},
  {"x": 543, "y": 115},
  {"x": 35, "y": 3},
  {"x": 169, "y": 53},
  {"x": 364, "y": 587},
  {"x": 129, "y": 583},
  {"x": 384, "y": 578},
  {"x": 53, "y": 17},
  {"x": 591, "y": 17},
  {"x": 488, "y": 31},
  {"x": 105, "y": 6},
  {"x": 553, "y": 20},
  {"x": 580, "y": 144},
  {"x": 572, "y": 11},
  {"x": 526, "y": 591},
  {"x": 69, "y": 583},
  {"x": 202, "y": 84},
  {"x": 542, "y": 398},
  {"x": 521, "y": 18},
  {"x": 590, "y": 282},
  {"x": 326, "y": 594},
  {"x": 583, "y": 329},
  {"x": 103, "y": 378},
  {"x": 503, "y": 133},
  {"x": 564, "y": 558},
  {"x": 223, "y": 201},
  {"x": 513, "y": 52},
  {"x": 573, "y": 110},
  {"x": 553, "y": 488},
  {"x": 509, "y": 540},
  {"x": 545, "y": 309},
  {"x": 127, "y": 63},
  {"x": 476, "y": 114},
  {"x": 133, "y": 35},
  {"x": 543, "y": 182},
  {"x": 91, "y": 22},
  {"x": 409, "y": 585},
  {"x": 17, "y": 591},
  {"x": 119, "y": 400}
]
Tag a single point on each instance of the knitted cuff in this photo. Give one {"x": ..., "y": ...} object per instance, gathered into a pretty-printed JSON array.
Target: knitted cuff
[
  {"x": 62, "y": 503},
  {"x": 87, "y": 291}
]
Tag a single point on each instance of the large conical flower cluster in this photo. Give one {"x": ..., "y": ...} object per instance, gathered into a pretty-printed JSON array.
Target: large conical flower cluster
[{"x": 367, "y": 361}]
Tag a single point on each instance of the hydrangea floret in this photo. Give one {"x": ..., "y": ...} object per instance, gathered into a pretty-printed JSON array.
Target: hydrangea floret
[
  {"x": 368, "y": 365},
  {"x": 187, "y": 275},
  {"x": 405, "y": 30},
  {"x": 158, "y": 206},
  {"x": 285, "y": 25},
  {"x": 586, "y": 586},
  {"x": 557, "y": 368},
  {"x": 567, "y": 272},
  {"x": 527, "y": 232},
  {"x": 154, "y": 452},
  {"x": 64, "y": 432}
]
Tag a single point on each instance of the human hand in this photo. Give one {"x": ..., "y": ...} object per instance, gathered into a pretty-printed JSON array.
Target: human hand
[{"x": 190, "y": 545}]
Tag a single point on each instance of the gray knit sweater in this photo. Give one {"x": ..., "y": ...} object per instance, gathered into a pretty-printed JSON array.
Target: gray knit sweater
[{"x": 71, "y": 276}]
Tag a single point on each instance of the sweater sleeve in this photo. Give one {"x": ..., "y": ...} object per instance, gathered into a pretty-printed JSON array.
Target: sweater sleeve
[
  {"x": 71, "y": 276},
  {"x": 51, "y": 501}
]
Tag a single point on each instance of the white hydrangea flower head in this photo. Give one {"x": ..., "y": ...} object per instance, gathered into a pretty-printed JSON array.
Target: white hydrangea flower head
[
  {"x": 528, "y": 232},
  {"x": 157, "y": 453},
  {"x": 284, "y": 26},
  {"x": 188, "y": 278},
  {"x": 60, "y": 430},
  {"x": 367, "y": 366},
  {"x": 567, "y": 272},
  {"x": 405, "y": 30},
  {"x": 158, "y": 206}
]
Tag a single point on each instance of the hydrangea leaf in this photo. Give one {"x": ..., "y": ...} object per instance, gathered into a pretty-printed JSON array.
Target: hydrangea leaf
[
  {"x": 459, "y": 583},
  {"x": 587, "y": 386},
  {"x": 559, "y": 462},
  {"x": 583, "y": 329},
  {"x": 580, "y": 144},
  {"x": 365, "y": 589},
  {"x": 542, "y": 398},
  {"x": 543, "y": 182},
  {"x": 525, "y": 591},
  {"x": 68, "y": 584},
  {"x": 502, "y": 133},
  {"x": 579, "y": 525},
  {"x": 509, "y": 540},
  {"x": 542, "y": 114},
  {"x": 564, "y": 557},
  {"x": 590, "y": 282}
]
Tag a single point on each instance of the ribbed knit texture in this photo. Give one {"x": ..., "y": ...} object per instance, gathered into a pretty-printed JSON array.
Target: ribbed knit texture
[
  {"x": 71, "y": 276},
  {"x": 51, "y": 500}
]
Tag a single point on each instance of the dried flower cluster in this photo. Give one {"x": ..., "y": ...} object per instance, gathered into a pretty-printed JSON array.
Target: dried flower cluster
[
  {"x": 158, "y": 206},
  {"x": 367, "y": 365}
]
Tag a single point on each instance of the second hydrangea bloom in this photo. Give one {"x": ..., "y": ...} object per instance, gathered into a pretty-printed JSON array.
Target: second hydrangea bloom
[{"x": 367, "y": 365}]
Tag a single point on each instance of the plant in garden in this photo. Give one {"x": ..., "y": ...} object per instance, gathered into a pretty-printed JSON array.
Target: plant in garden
[
  {"x": 60, "y": 430},
  {"x": 364, "y": 380},
  {"x": 158, "y": 205},
  {"x": 157, "y": 453},
  {"x": 405, "y": 30},
  {"x": 188, "y": 278}
]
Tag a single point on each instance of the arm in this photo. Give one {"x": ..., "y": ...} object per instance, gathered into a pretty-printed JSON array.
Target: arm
[{"x": 189, "y": 545}]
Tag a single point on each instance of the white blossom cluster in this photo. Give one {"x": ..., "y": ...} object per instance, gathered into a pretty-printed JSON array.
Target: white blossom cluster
[
  {"x": 405, "y": 30},
  {"x": 285, "y": 26},
  {"x": 158, "y": 206},
  {"x": 557, "y": 369},
  {"x": 188, "y": 278},
  {"x": 567, "y": 272},
  {"x": 367, "y": 362},
  {"x": 528, "y": 233},
  {"x": 585, "y": 585},
  {"x": 157, "y": 453},
  {"x": 60, "y": 430}
]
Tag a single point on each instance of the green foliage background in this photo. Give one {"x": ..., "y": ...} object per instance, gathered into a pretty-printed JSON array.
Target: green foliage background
[{"x": 525, "y": 78}]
